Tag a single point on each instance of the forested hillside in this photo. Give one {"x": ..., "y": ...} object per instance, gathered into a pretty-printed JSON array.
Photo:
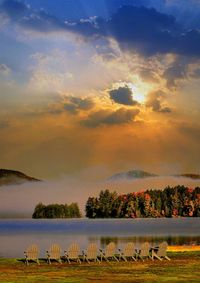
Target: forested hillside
[{"x": 170, "y": 202}]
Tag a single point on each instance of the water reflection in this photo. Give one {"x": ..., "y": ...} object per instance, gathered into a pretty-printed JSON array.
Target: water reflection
[
  {"x": 16, "y": 235},
  {"x": 171, "y": 240}
]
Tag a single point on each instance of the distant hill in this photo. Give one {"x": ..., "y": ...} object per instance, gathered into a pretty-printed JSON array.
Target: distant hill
[
  {"x": 140, "y": 174},
  {"x": 133, "y": 174},
  {"x": 191, "y": 176},
  {"x": 11, "y": 177}
]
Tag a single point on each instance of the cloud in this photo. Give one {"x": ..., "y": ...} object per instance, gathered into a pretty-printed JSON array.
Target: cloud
[
  {"x": 74, "y": 104},
  {"x": 4, "y": 124},
  {"x": 14, "y": 9},
  {"x": 122, "y": 95},
  {"x": 140, "y": 29},
  {"x": 4, "y": 69},
  {"x": 191, "y": 131},
  {"x": 28, "y": 18},
  {"x": 109, "y": 117},
  {"x": 144, "y": 30},
  {"x": 174, "y": 73},
  {"x": 155, "y": 102},
  {"x": 196, "y": 73}
]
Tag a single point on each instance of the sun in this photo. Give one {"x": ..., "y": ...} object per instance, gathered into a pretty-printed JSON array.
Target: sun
[
  {"x": 138, "y": 93},
  {"x": 139, "y": 89}
]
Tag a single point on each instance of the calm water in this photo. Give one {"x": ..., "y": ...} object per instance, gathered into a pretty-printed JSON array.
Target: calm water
[{"x": 16, "y": 235}]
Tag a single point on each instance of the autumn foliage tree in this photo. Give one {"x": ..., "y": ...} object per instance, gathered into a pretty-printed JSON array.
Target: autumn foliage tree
[{"x": 170, "y": 202}]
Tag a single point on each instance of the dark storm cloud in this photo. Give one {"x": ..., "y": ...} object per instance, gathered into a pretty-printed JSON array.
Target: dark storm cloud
[
  {"x": 141, "y": 29},
  {"x": 74, "y": 104},
  {"x": 155, "y": 102},
  {"x": 144, "y": 30},
  {"x": 109, "y": 117},
  {"x": 122, "y": 95},
  {"x": 28, "y": 18},
  {"x": 14, "y": 9}
]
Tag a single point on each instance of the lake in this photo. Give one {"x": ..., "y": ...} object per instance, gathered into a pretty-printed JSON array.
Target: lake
[{"x": 17, "y": 234}]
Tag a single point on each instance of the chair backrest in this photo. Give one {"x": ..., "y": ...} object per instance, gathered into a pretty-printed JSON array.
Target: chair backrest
[
  {"x": 162, "y": 249},
  {"x": 129, "y": 249},
  {"x": 144, "y": 250},
  {"x": 73, "y": 251},
  {"x": 32, "y": 251},
  {"x": 92, "y": 251},
  {"x": 55, "y": 251},
  {"x": 110, "y": 249}
]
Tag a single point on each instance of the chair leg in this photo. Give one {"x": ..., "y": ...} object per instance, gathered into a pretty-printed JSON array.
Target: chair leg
[
  {"x": 151, "y": 257},
  {"x": 115, "y": 258},
  {"x": 78, "y": 260},
  {"x": 134, "y": 258},
  {"x": 87, "y": 260},
  {"x": 158, "y": 257},
  {"x": 38, "y": 261},
  {"x": 141, "y": 257},
  {"x": 98, "y": 260},
  {"x": 167, "y": 258},
  {"x": 123, "y": 258}
]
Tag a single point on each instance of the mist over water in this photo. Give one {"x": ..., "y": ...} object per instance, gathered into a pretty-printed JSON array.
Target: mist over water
[{"x": 20, "y": 200}]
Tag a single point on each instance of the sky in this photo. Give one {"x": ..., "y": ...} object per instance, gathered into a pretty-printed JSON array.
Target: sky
[{"x": 90, "y": 88}]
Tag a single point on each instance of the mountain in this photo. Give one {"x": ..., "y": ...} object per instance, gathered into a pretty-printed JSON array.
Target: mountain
[
  {"x": 11, "y": 177},
  {"x": 130, "y": 175},
  {"x": 191, "y": 176},
  {"x": 140, "y": 174}
]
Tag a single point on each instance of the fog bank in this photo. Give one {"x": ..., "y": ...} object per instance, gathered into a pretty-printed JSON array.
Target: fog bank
[{"x": 20, "y": 200}]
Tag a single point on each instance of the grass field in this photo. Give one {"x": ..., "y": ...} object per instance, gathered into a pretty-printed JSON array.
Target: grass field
[{"x": 183, "y": 267}]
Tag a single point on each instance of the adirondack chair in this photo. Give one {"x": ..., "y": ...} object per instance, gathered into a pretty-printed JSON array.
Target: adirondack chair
[
  {"x": 144, "y": 251},
  {"x": 91, "y": 253},
  {"x": 109, "y": 252},
  {"x": 73, "y": 253},
  {"x": 32, "y": 253},
  {"x": 54, "y": 253},
  {"x": 128, "y": 252},
  {"x": 160, "y": 251}
]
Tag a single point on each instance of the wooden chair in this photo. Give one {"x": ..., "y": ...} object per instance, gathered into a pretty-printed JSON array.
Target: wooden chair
[
  {"x": 73, "y": 253},
  {"x": 144, "y": 251},
  {"x": 32, "y": 253},
  {"x": 54, "y": 253},
  {"x": 109, "y": 252},
  {"x": 91, "y": 253},
  {"x": 128, "y": 252},
  {"x": 160, "y": 251}
]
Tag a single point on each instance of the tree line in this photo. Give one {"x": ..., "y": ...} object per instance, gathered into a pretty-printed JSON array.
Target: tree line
[
  {"x": 56, "y": 211},
  {"x": 170, "y": 202}
]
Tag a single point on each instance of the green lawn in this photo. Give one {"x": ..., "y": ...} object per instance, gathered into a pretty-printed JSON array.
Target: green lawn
[{"x": 183, "y": 267}]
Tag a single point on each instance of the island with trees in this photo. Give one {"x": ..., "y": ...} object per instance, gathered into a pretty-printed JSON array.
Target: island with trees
[{"x": 56, "y": 211}]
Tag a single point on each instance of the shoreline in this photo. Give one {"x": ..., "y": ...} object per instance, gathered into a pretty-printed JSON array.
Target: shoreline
[{"x": 184, "y": 248}]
